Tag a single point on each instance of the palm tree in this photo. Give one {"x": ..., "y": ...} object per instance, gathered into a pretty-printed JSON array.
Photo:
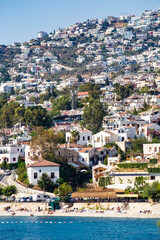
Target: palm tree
[{"x": 75, "y": 136}]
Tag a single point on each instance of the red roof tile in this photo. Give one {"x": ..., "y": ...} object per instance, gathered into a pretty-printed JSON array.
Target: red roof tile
[{"x": 43, "y": 163}]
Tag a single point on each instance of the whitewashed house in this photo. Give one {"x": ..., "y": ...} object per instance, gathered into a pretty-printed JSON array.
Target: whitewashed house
[
  {"x": 91, "y": 156},
  {"x": 143, "y": 130},
  {"x": 125, "y": 133},
  {"x": 84, "y": 137},
  {"x": 101, "y": 138},
  {"x": 35, "y": 171},
  {"x": 11, "y": 153},
  {"x": 151, "y": 150}
]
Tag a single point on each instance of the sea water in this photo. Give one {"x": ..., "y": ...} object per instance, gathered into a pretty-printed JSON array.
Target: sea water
[{"x": 78, "y": 228}]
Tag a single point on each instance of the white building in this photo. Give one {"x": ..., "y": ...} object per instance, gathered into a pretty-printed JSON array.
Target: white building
[
  {"x": 101, "y": 138},
  {"x": 35, "y": 171},
  {"x": 11, "y": 153},
  {"x": 80, "y": 59},
  {"x": 91, "y": 156},
  {"x": 125, "y": 133},
  {"x": 143, "y": 130},
  {"x": 151, "y": 150},
  {"x": 42, "y": 34},
  {"x": 84, "y": 136}
]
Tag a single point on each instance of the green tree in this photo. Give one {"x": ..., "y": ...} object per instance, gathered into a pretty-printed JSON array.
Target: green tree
[
  {"x": 137, "y": 145},
  {"x": 95, "y": 92},
  {"x": 4, "y": 164},
  {"x": 1, "y": 191},
  {"x": 80, "y": 79},
  {"x": 46, "y": 184},
  {"x": 22, "y": 173},
  {"x": 152, "y": 191},
  {"x": 134, "y": 111},
  {"x": 61, "y": 103},
  {"x": 9, "y": 190},
  {"x": 46, "y": 142},
  {"x": 75, "y": 136},
  {"x": 139, "y": 183},
  {"x": 37, "y": 116},
  {"x": 104, "y": 181},
  {"x": 64, "y": 189},
  {"x": 123, "y": 91},
  {"x": 93, "y": 116},
  {"x": 106, "y": 160},
  {"x": 18, "y": 78}
]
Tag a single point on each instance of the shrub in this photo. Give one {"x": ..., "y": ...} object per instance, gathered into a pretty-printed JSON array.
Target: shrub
[
  {"x": 153, "y": 161},
  {"x": 154, "y": 170},
  {"x": 133, "y": 165}
]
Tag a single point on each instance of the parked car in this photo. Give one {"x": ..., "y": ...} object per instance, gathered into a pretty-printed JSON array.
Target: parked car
[
  {"x": 22, "y": 199},
  {"x": 50, "y": 199},
  {"x": 7, "y": 172},
  {"x": 29, "y": 199}
]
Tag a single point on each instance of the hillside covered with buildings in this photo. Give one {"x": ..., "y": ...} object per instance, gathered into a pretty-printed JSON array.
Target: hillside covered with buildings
[{"x": 82, "y": 104}]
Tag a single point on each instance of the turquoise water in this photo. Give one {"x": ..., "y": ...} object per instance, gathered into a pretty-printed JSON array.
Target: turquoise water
[{"x": 77, "y": 228}]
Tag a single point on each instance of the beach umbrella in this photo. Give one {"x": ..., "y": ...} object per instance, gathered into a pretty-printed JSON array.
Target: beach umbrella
[{"x": 49, "y": 207}]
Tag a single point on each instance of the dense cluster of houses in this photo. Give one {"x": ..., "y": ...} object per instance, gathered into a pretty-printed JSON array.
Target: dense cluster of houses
[{"x": 114, "y": 44}]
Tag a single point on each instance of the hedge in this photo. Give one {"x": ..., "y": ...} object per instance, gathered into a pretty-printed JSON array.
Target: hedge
[
  {"x": 133, "y": 165},
  {"x": 153, "y": 161},
  {"x": 154, "y": 170}
]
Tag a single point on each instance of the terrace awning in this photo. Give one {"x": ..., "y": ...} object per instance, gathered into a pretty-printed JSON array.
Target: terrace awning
[{"x": 127, "y": 195}]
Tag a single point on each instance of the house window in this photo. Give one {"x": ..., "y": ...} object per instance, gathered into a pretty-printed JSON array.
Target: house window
[
  {"x": 14, "y": 159},
  {"x": 83, "y": 138},
  {"x": 35, "y": 175},
  {"x": 98, "y": 139},
  {"x": 52, "y": 175},
  {"x": 28, "y": 154},
  {"x": 59, "y": 153},
  {"x": 39, "y": 170},
  {"x": 17, "y": 149},
  {"x": 69, "y": 153},
  {"x": 21, "y": 150},
  {"x": 102, "y": 152},
  {"x": 88, "y": 138},
  {"x": 106, "y": 139},
  {"x": 72, "y": 159},
  {"x": 67, "y": 138},
  {"x": 155, "y": 149}
]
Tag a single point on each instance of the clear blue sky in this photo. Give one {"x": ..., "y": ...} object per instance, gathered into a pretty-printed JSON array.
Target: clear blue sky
[{"x": 20, "y": 20}]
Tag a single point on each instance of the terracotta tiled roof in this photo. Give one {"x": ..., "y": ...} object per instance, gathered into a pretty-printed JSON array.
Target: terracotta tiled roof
[
  {"x": 82, "y": 93},
  {"x": 148, "y": 125},
  {"x": 70, "y": 145},
  {"x": 43, "y": 163},
  {"x": 86, "y": 149}
]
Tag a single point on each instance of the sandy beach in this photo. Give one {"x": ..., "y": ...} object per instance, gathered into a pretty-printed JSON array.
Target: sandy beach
[{"x": 133, "y": 210}]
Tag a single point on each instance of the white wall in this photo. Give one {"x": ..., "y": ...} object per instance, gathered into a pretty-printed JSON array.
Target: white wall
[
  {"x": 40, "y": 171},
  {"x": 84, "y": 136},
  {"x": 151, "y": 150},
  {"x": 11, "y": 153}
]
